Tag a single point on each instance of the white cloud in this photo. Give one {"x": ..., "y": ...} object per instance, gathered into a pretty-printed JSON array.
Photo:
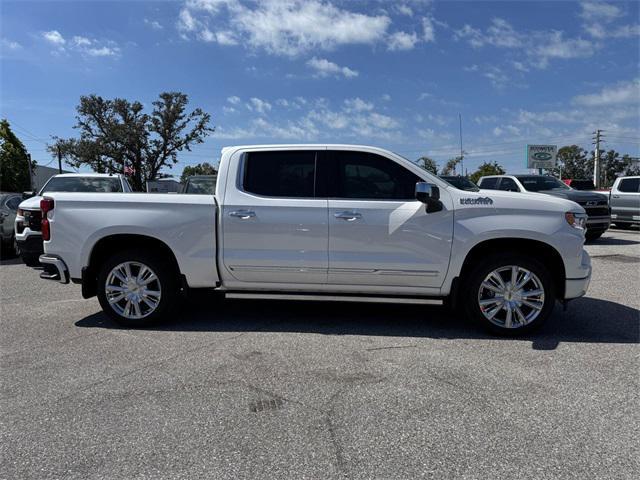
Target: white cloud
[
  {"x": 429, "y": 33},
  {"x": 424, "y": 96},
  {"x": 84, "y": 46},
  {"x": 537, "y": 47},
  {"x": 10, "y": 44},
  {"x": 618, "y": 94},
  {"x": 54, "y": 37},
  {"x": 81, "y": 41},
  {"x": 154, "y": 24},
  {"x": 103, "y": 52},
  {"x": 354, "y": 120},
  {"x": 599, "y": 11},
  {"x": 404, "y": 10},
  {"x": 357, "y": 105},
  {"x": 221, "y": 37},
  {"x": 598, "y": 20},
  {"x": 233, "y": 100},
  {"x": 286, "y": 28},
  {"x": 325, "y": 68},
  {"x": 386, "y": 97},
  {"x": 402, "y": 41},
  {"x": 257, "y": 105}
]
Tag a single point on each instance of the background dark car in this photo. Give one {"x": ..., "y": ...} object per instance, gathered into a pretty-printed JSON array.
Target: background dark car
[
  {"x": 8, "y": 207},
  {"x": 580, "y": 183}
]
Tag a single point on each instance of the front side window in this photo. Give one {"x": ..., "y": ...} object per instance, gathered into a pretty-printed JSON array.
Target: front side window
[
  {"x": 280, "y": 173},
  {"x": 629, "y": 185},
  {"x": 83, "y": 184},
  {"x": 364, "y": 175}
]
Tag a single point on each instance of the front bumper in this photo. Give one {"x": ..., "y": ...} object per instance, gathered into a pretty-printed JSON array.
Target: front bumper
[
  {"x": 598, "y": 223},
  {"x": 54, "y": 268},
  {"x": 577, "y": 287}
]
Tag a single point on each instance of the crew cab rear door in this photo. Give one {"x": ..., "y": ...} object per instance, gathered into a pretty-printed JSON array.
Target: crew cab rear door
[
  {"x": 274, "y": 223},
  {"x": 379, "y": 234}
]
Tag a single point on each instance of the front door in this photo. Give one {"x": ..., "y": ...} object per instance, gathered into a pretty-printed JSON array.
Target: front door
[
  {"x": 379, "y": 235},
  {"x": 274, "y": 225}
]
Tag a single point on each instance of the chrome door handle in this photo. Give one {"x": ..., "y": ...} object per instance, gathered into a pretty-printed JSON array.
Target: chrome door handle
[
  {"x": 348, "y": 216},
  {"x": 616, "y": 196},
  {"x": 243, "y": 214}
]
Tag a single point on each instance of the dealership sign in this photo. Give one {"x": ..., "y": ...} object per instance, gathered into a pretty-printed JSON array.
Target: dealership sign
[{"x": 541, "y": 156}]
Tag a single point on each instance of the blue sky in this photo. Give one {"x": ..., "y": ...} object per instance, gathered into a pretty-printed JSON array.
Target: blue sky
[{"x": 392, "y": 74}]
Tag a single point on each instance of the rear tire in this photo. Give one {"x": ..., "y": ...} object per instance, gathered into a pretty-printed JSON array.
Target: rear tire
[
  {"x": 530, "y": 304},
  {"x": 137, "y": 288}
]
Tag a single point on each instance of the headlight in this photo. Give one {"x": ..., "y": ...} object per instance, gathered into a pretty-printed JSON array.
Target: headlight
[
  {"x": 576, "y": 220},
  {"x": 20, "y": 212}
]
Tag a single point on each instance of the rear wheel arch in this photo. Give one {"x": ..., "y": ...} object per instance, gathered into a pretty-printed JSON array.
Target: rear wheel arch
[{"x": 109, "y": 245}]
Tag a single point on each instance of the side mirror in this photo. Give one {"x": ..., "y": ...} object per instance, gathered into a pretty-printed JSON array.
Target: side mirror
[
  {"x": 429, "y": 194},
  {"x": 26, "y": 195}
]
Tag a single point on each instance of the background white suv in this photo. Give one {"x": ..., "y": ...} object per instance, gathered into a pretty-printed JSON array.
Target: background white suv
[{"x": 27, "y": 222}]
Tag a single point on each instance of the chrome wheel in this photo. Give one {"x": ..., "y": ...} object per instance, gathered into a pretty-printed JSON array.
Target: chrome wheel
[
  {"x": 511, "y": 297},
  {"x": 133, "y": 290}
]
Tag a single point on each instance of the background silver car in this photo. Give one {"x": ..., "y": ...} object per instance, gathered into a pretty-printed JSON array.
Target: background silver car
[{"x": 625, "y": 201}]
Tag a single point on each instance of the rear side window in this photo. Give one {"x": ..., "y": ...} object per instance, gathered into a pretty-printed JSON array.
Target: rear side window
[
  {"x": 489, "y": 183},
  {"x": 369, "y": 176},
  {"x": 13, "y": 203},
  {"x": 280, "y": 173},
  {"x": 508, "y": 185},
  {"x": 629, "y": 185}
]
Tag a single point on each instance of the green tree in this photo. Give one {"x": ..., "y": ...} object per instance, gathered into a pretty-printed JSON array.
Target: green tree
[
  {"x": 429, "y": 164},
  {"x": 14, "y": 166},
  {"x": 450, "y": 167},
  {"x": 572, "y": 163},
  {"x": 631, "y": 167},
  {"x": 117, "y": 136},
  {"x": 485, "y": 169},
  {"x": 199, "y": 169}
]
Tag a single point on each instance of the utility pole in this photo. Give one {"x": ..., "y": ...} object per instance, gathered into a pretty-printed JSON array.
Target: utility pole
[
  {"x": 596, "y": 159},
  {"x": 59, "y": 160},
  {"x": 461, "y": 153},
  {"x": 30, "y": 171}
]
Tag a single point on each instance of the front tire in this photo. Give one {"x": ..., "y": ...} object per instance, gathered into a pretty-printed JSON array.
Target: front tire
[
  {"x": 137, "y": 288},
  {"x": 591, "y": 236},
  {"x": 509, "y": 294}
]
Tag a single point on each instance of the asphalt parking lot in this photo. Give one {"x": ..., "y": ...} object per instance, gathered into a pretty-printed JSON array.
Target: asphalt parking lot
[{"x": 248, "y": 389}]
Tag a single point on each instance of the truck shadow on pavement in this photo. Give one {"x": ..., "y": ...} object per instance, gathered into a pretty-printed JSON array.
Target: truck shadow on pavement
[
  {"x": 586, "y": 320},
  {"x": 614, "y": 241}
]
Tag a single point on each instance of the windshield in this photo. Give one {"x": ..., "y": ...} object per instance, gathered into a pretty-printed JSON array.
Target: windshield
[
  {"x": 582, "y": 185},
  {"x": 206, "y": 186},
  {"x": 537, "y": 183},
  {"x": 461, "y": 183},
  {"x": 83, "y": 184}
]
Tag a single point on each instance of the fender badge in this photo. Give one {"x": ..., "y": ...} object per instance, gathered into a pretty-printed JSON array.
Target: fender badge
[{"x": 476, "y": 201}]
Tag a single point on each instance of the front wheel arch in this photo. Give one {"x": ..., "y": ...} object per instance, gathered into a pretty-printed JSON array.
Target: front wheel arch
[{"x": 520, "y": 246}]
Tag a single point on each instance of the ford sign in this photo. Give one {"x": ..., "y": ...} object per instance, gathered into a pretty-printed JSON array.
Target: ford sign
[{"x": 541, "y": 156}]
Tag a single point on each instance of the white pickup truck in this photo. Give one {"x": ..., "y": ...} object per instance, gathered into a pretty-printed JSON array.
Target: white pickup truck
[{"x": 321, "y": 222}]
